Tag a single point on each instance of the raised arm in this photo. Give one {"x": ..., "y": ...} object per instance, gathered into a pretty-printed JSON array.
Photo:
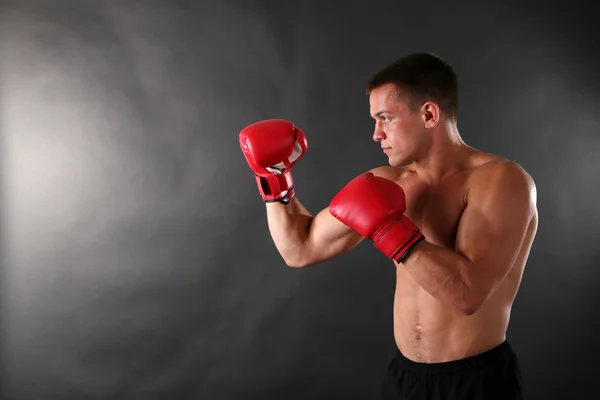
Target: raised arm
[
  {"x": 304, "y": 240},
  {"x": 271, "y": 148}
]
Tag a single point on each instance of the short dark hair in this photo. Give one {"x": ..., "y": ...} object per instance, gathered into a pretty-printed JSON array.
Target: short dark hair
[{"x": 424, "y": 77}]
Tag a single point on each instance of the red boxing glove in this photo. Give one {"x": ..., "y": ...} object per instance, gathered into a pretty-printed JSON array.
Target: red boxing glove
[
  {"x": 271, "y": 148},
  {"x": 374, "y": 207}
]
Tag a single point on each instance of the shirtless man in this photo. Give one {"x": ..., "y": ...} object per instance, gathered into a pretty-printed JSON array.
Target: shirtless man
[{"x": 458, "y": 224}]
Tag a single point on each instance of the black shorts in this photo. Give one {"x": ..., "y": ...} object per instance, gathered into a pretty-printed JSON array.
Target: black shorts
[{"x": 491, "y": 375}]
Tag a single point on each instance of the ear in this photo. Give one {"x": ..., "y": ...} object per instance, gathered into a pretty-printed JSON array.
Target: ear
[{"x": 430, "y": 112}]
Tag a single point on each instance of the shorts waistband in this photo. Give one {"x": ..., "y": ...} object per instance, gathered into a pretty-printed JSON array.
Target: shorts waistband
[{"x": 496, "y": 356}]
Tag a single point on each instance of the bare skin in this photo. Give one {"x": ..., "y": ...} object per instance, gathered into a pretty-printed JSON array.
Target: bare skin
[{"x": 455, "y": 291}]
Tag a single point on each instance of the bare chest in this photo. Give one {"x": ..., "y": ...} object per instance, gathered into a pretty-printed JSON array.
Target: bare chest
[{"x": 437, "y": 210}]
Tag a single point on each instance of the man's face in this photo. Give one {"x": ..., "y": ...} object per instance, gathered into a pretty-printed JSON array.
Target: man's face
[{"x": 399, "y": 130}]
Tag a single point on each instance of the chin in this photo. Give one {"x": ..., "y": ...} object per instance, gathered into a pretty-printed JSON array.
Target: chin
[{"x": 398, "y": 162}]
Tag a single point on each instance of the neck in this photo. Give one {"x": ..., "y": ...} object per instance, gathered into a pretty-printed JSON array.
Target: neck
[{"x": 444, "y": 156}]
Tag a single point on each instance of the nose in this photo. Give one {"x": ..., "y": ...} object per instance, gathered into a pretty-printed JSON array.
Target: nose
[{"x": 378, "y": 134}]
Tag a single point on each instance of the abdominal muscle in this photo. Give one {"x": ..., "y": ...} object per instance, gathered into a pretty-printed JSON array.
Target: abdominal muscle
[{"x": 429, "y": 331}]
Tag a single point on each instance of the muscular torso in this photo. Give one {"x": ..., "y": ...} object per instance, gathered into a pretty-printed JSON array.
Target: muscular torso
[{"x": 425, "y": 329}]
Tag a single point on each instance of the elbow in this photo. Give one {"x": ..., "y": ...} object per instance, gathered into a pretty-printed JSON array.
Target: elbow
[
  {"x": 296, "y": 262},
  {"x": 472, "y": 295},
  {"x": 300, "y": 258},
  {"x": 468, "y": 310},
  {"x": 299, "y": 264},
  {"x": 469, "y": 307}
]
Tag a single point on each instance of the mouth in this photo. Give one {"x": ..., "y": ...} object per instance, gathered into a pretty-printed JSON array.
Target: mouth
[{"x": 385, "y": 149}]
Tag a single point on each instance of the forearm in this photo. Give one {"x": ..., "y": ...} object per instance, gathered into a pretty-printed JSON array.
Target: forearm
[
  {"x": 289, "y": 225},
  {"x": 444, "y": 274}
]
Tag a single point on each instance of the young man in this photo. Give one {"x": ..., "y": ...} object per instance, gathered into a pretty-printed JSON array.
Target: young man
[{"x": 458, "y": 224}]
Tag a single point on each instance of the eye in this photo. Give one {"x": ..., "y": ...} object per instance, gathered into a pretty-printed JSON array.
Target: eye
[{"x": 385, "y": 118}]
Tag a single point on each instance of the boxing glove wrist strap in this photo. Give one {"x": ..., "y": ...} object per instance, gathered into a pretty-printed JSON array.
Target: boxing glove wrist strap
[
  {"x": 286, "y": 197},
  {"x": 276, "y": 187},
  {"x": 402, "y": 256},
  {"x": 398, "y": 239}
]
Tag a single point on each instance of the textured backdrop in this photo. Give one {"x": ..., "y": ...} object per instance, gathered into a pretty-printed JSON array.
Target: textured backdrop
[{"x": 136, "y": 259}]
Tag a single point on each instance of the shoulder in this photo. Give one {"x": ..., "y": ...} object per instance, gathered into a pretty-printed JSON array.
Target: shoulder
[
  {"x": 502, "y": 171},
  {"x": 502, "y": 177}
]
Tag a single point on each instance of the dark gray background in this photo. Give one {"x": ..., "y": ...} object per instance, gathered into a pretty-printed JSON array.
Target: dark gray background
[{"x": 136, "y": 259}]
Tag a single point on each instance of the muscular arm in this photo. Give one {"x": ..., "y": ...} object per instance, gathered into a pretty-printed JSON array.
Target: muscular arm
[
  {"x": 304, "y": 240},
  {"x": 500, "y": 208}
]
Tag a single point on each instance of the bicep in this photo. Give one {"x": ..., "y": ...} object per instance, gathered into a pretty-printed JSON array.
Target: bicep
[
  {"x": 494, "y": 223},
  {"x": 328, "y": 237}
]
